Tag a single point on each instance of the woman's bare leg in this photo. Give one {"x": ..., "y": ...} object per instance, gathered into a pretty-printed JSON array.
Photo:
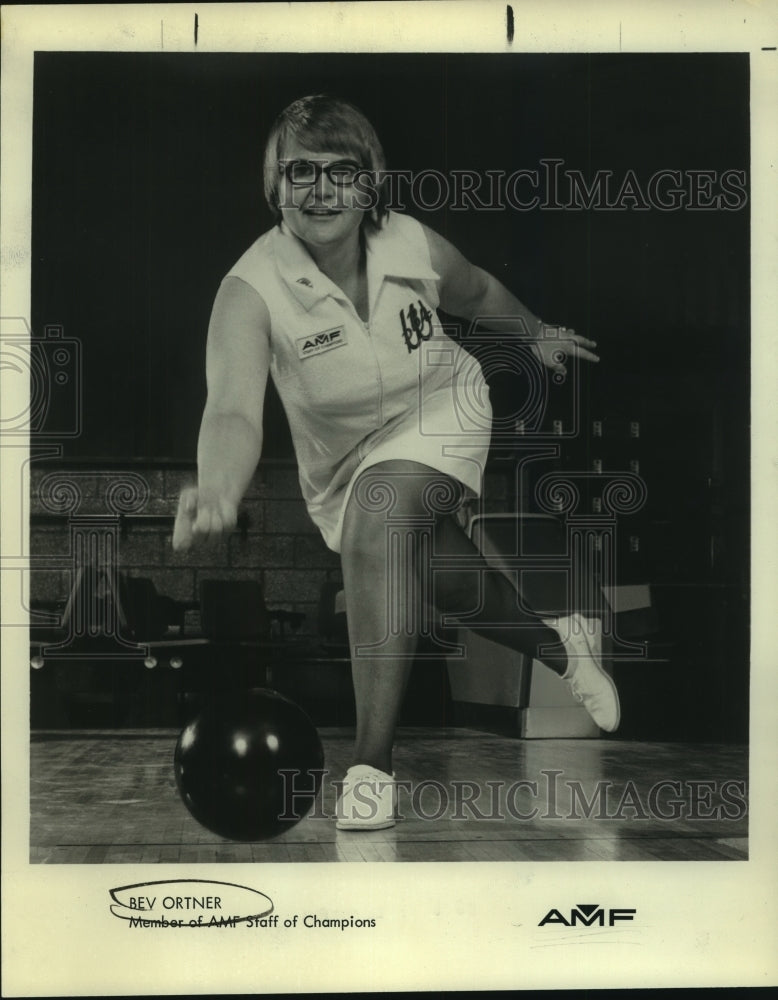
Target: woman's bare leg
[{"x": 388, "y": 533}]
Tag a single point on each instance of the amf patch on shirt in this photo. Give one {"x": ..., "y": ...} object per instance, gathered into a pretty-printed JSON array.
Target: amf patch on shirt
[{"x": 318, "y": 343}]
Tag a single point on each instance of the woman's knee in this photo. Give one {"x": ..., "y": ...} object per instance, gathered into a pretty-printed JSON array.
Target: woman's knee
[{"x": 402, "y": 491}]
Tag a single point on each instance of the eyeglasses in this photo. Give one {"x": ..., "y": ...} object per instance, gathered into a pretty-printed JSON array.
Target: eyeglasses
[{"x": 302, "y": 173}]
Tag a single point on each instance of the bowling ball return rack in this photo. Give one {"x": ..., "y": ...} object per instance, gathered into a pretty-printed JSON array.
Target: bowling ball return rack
[
  {"x": 93, "y": 654},
  {"x": 165, "y": 682}
]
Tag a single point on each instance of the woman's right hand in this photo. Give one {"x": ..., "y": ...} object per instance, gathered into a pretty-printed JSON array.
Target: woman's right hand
[{"x": 202, "y": 516}]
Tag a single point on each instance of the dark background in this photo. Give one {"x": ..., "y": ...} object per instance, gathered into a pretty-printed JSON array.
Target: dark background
[{"x": 147, "y": 187}]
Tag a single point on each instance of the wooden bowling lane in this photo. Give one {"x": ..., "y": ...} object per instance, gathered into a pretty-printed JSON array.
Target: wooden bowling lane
[{"x": 108, "y": 797}]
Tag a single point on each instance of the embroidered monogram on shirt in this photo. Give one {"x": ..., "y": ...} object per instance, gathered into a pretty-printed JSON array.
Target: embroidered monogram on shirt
[
  {"x": 318, "y": 343},
  {"x": 417, "y": 326}
]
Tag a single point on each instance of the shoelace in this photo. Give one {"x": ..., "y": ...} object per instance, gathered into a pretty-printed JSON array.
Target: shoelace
[
  {"x": 575, "y": 688},
  {"x": 371, "y": 777}
]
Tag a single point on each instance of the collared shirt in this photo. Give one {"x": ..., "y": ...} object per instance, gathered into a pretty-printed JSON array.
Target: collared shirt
[{"x": 348, "y": 386}]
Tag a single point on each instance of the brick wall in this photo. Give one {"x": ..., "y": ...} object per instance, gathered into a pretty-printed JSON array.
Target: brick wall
[{"x": 281, "y": 547}]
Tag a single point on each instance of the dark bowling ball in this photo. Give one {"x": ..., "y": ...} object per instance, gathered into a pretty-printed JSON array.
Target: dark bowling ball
[{"x": 228, "y": 763}]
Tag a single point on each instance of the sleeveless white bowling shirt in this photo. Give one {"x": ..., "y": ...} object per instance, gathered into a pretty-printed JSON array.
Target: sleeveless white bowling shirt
[{"x": 357, "y": 393}]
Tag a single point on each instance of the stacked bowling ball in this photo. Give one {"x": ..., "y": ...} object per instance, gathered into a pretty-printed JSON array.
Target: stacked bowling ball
[{"x": 250, "y": 765}]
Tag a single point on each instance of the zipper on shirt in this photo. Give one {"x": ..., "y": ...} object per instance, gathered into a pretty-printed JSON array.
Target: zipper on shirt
[
  {"x": 380, "y": 376},
  {"x": 366, "y": 328}
]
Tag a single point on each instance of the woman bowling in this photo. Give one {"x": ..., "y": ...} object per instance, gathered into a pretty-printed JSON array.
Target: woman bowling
[{"x": 337, "y": 303}]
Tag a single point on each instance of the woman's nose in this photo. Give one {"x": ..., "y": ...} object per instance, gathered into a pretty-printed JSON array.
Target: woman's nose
[{"x": 323, "y": 186}]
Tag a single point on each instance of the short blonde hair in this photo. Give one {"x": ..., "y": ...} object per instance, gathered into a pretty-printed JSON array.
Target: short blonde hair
[{"x": 326, "y": 124}]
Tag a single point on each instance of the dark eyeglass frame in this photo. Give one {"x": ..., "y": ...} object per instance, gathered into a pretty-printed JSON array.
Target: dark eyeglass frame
[{"x": 287, "y": 168}]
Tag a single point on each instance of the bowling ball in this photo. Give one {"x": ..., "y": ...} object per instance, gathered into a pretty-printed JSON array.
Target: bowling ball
[{"x": 250, "y": 765}]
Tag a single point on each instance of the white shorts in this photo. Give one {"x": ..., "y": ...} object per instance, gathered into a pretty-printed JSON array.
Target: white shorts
[{"x": 438, "y": 438}]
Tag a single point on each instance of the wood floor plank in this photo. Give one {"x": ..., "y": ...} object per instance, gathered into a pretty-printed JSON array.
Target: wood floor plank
[
  {"x": 347, "y": 847},
  {"x": 379, "y": 851},
  {"x": 272, "y": 853},
  {"x": 494, "y": 850},
  {"x": 736, "y": 846},
  {"x": 110, "y": 797}
]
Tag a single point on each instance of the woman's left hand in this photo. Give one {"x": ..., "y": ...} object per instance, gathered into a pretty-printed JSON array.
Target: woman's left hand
[{"x": 555, "y": 344}]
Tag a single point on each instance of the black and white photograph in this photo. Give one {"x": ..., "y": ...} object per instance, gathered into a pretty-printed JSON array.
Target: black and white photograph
[{"x": 382, "y": 433}]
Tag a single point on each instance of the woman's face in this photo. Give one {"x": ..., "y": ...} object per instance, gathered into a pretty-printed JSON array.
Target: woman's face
[{"x": 322, "y": 212}]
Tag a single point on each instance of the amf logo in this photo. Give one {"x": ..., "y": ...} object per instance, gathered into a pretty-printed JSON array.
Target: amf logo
[
  {"x": 318, "y": 343},
  {"x": 588, "y": 914}
]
